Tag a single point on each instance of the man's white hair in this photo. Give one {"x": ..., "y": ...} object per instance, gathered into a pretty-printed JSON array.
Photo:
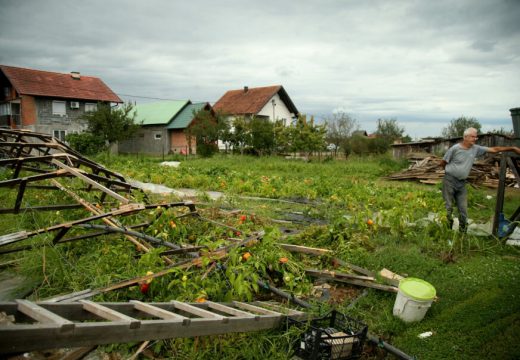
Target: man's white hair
[{"x": 469, "y": 131}]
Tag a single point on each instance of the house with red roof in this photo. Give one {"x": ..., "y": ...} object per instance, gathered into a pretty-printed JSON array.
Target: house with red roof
[
  {"x": 49, "y": 102},
  {"x": 268, "y": 102}
]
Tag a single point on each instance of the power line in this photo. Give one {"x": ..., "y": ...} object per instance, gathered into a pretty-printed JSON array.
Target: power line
[{"x": 156, "y": 98}]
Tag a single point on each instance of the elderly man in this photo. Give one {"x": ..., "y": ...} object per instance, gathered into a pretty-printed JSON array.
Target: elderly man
[{"x": 457, "y": 163}]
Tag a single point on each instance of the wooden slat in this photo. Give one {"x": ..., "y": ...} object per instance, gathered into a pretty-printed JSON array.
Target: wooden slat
[
  {"x": 339, "y": 275},
  {"x": 356, "y": 268},
  {"x": 85, "y": 178},
  {"x": 279, "y": 308},
  {"x": 109, "y": 314},
  {"x": 305, "y": 249},
  {"x": 390, "y": 277},
  {"x": 77, "y": 353},
  {"x": 197, "y": 311},
  {"x": 66, "y": 296},
  {"x": 13, "y": 237},
  {"x": 369, "y": 284},
  {"x": 43, "y": 315},
  {"x": 254, "y": 308},
  {"x": 229, "y": 310},
  {"x": 158, "y": 312}
]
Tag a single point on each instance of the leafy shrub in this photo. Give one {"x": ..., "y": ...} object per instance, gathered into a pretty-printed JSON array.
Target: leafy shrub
[
  {"x": 86, "y": 143},
  {"x": 206, "y": 150}
]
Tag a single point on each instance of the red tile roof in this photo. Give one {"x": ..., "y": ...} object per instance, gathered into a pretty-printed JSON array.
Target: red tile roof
[
  {"x": 58, "y": 85},
  {"x": 242, "y": 102}
]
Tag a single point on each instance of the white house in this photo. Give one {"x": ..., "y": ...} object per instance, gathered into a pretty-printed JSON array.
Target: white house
[{"x": 269, "y": 102}]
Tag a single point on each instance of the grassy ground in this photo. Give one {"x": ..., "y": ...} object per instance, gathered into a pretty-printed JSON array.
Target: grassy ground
[{"x": 476, "y": 278}]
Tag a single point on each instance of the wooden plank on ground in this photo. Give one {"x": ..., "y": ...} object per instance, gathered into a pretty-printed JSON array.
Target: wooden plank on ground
[
  {"x": 358, "y": 269},
  {"x": 357, "y": 282},
  {"x": 14, "y": 237},
  {"x": 66, "y": 296},
  {"x": 43, "y": 315},
  {"x": 339, "y": 275},
  {"x": 390, "y": 277},
  {"x": 77, "y": 353},
  {"x": 305, "y": 249}
]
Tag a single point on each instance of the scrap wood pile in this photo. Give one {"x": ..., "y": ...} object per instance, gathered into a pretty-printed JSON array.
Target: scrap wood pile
[{"x": 427, "y": 170}]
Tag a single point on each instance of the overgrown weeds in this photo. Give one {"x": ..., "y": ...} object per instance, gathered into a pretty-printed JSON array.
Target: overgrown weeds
[{"x": 339, "y": 205}]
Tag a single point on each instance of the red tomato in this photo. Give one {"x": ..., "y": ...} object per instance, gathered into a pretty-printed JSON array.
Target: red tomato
[{"x": 144, "y": 288}]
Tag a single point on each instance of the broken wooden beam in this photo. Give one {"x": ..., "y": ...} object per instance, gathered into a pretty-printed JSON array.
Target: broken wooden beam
[
  {"x": 364, "y": 283},
  {"x": 338, "y": 275},
  {"x": 390, "y": 277},
  {"x": 305, "y": 249}
]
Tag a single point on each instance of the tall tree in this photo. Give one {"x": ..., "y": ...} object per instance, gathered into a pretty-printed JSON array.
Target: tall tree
[
  {"x": 340, "y": 127},
  {"x": 282, "y": 137},
  {"x": 262, "y": 135},
  {"x": 307, "y": 136},
  {"x": 457, "y": 126},
  {"x": 241, "y": 134},
  {"x": 205, "y": 129},
  {"x": 389, "y": 129},
  {"x": 112, "y": 124},
  {"x": 225, "y": 134}
]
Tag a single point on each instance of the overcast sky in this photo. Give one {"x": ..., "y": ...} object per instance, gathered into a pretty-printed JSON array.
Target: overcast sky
[{"x": 421, "y": 62}]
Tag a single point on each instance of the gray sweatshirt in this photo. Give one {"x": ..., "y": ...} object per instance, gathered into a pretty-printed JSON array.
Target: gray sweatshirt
[{"x": 460, "y": 160}]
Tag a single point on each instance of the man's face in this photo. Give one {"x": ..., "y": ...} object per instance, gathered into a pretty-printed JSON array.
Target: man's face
[{"x": 471, "y": 138}]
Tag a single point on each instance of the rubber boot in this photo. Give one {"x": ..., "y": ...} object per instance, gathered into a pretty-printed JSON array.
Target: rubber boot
[{"x": 463, "y": 227}]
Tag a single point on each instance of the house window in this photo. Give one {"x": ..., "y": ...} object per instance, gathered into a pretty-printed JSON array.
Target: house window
[
  {"x": 5, "y": 109},
  {"x": 157, "y": 136},
  {"x": 59, "y": 134},
  {"x": 58, "y": 108},
  {"x": 89, "y": 107}
]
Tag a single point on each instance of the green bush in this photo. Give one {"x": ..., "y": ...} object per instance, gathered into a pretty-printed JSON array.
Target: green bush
[{"x": 86, "y": 143}]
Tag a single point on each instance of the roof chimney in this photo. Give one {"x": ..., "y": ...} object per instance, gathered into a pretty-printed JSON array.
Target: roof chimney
[
  {"x": 246, "y": 89},
  {"x": 75, "y": 75}
]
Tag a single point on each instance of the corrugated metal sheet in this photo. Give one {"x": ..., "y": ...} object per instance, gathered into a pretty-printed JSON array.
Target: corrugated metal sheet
[
  {"x": 159, "y": 113},
  {"x": 183, "y": 119}
]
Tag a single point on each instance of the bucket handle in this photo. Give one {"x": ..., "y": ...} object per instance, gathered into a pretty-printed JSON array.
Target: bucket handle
[{"x": 407, "y": 300}]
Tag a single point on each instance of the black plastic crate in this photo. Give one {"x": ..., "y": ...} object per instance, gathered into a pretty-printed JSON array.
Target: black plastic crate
[{"x": 334, "y": 336}]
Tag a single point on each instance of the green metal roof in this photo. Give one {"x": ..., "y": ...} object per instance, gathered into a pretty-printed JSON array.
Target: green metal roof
[
  {"x": 159, "y": 113},
  {"x": 184, "y": 117}
]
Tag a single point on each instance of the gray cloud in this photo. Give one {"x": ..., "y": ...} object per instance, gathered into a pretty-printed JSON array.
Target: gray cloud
[{"x": 422, "y": 62}]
